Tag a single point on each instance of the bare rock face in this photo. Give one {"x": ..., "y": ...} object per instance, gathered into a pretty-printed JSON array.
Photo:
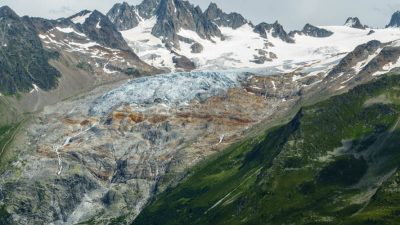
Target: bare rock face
[
  {"x": 183, "y": 63},
  {"x": 354, "y": 22},
  {"x": 365, "y": 63},
  {"x": 312, "y": 31},
  {"x": 361, "y": 53},
  {"x": 91, "y": 52},
  {"x": 371, "y": 32},
  {"x": 395, "y": 20},
  {"x": 216, "y": 15},
  {"x": 123, "y": 16},
  {"x": 147, "y": 8},
  {"x": 173, "y": 15},
  {"x": 380, "y": 64},
  {"x": 100, "y": 29},
  {"x": 196, "y": 48},
  {"x": 277, "y": 31},
  {"x": 23, "y": 60}
]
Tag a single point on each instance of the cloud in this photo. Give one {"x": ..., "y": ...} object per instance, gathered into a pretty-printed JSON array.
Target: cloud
[{"x": 62, "y": 10}]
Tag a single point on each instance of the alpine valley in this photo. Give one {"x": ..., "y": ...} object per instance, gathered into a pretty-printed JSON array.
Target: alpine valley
[{"x": 165, "y": 113}]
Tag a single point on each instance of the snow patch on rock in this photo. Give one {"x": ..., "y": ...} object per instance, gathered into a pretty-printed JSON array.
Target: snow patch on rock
[{"x": 81, "y": 19}]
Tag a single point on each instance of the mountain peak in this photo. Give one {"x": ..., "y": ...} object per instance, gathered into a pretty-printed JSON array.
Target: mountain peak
[
  {"x": 100, "y": 29},
  {"x": 313, "y": 31},
  {"x": 173, "y": 15},
  {"x": 395, "y": 20},
  {"x": 213, "y": 7},
  {"x": 354, "y": 22},
  {"x": 80, "y": 17},
  {"x": 23, "y": 59},
  {"x": 147, "y": 8},
  {"x": 276, "y": 29},
  {"x": 6, "y": 11},
  {"x": 125, "y": 4},
  {"x": 123, "y": 16},
  {"x": 216, "y": 15}
]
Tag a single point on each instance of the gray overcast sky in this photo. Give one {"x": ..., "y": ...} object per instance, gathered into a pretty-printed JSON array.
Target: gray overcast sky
[{"x": 293, "y": 14}]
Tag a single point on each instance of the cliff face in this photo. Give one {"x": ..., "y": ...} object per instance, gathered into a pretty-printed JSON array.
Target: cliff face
[
  {"x": 23, "y": 60},
  {"x": 395, "y": 20}
]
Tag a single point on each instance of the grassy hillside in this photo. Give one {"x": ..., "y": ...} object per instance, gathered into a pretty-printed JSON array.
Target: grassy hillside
[{"x": 334, "y": 163}]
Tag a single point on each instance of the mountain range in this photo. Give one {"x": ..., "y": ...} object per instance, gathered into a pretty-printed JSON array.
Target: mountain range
[{"x": 162, "y": 113}]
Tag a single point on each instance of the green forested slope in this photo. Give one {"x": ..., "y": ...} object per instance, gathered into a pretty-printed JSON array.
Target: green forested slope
[{"x": 334, "y": 163}]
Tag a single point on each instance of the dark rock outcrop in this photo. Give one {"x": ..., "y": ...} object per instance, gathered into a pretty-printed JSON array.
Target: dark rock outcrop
[
  {"x": 147, "y": 8},
  {"x": 395, "y": 20},
  {"x": 123, "y": 16},
  {"x": 197, "y": 48},
  {"x": 184, "y": 63},
  {"x": 100, "y": 29},
  {"x": 23, "y": 60},
  {"x": 360, "y": 53},
  {"x": 388, "y": 55},
  {"x": 276, "y": 29},
  {"x": 216, "y": 15},
  {"x": 354, "y": 22},
  {"x": 174, "y": 15},
  {"x": 312, "y": 31},
  {"x": 371, "y": 32}
]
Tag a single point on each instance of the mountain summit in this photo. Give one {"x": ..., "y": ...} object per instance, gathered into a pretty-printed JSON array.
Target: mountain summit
[
  {"x": 354, "y": 22},
  {"x": 123, "y": 16},
  {"x": 23, "y": 60},
  {"x": 395, "y": 20},
  {"x": 173, "y": 15},
  {"x": 216, "y": 15}
]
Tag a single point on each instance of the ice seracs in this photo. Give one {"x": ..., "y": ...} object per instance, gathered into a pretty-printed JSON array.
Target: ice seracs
[{"x": 174, "y": 88}]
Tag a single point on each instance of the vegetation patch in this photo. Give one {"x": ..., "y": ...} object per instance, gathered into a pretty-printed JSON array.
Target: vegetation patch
[{"x": 278, "y": 177}]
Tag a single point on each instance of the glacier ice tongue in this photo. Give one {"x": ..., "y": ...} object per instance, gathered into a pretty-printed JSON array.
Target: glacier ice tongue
[{"x": 173, "y": 88}]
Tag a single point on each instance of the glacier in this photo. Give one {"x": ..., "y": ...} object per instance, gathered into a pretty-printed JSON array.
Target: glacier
[{"x": 171, "y": 89}]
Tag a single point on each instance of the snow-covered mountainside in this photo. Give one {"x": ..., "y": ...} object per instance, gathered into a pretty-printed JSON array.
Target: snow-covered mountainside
[
  {"x": 239, "y": 45},
  {"x": 99, "y": 156}
]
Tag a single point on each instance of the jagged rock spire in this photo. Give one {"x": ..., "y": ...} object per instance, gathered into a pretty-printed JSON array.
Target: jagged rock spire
[
  {"x": 354, "y": 22},
  {"x": 395, "y": 20}
]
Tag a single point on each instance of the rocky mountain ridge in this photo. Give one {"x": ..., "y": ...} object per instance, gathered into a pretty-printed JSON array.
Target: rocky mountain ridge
[
  {"x": 23, "y": 60},
  {"x": 175, "y": 29},
  {"x": 312, "y": 31},
  {"x": 354, "y": 22},
  {"x": 99, "y": 157},
  {"x": 395, "y": 20}
]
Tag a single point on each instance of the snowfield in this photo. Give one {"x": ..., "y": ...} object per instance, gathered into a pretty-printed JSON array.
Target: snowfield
[
  {"x": 242, "y": 45},
  {"x": 239, "y": 47},
  {"x": 345, "y": 39},
  {"x": 148, "y": 47}
]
